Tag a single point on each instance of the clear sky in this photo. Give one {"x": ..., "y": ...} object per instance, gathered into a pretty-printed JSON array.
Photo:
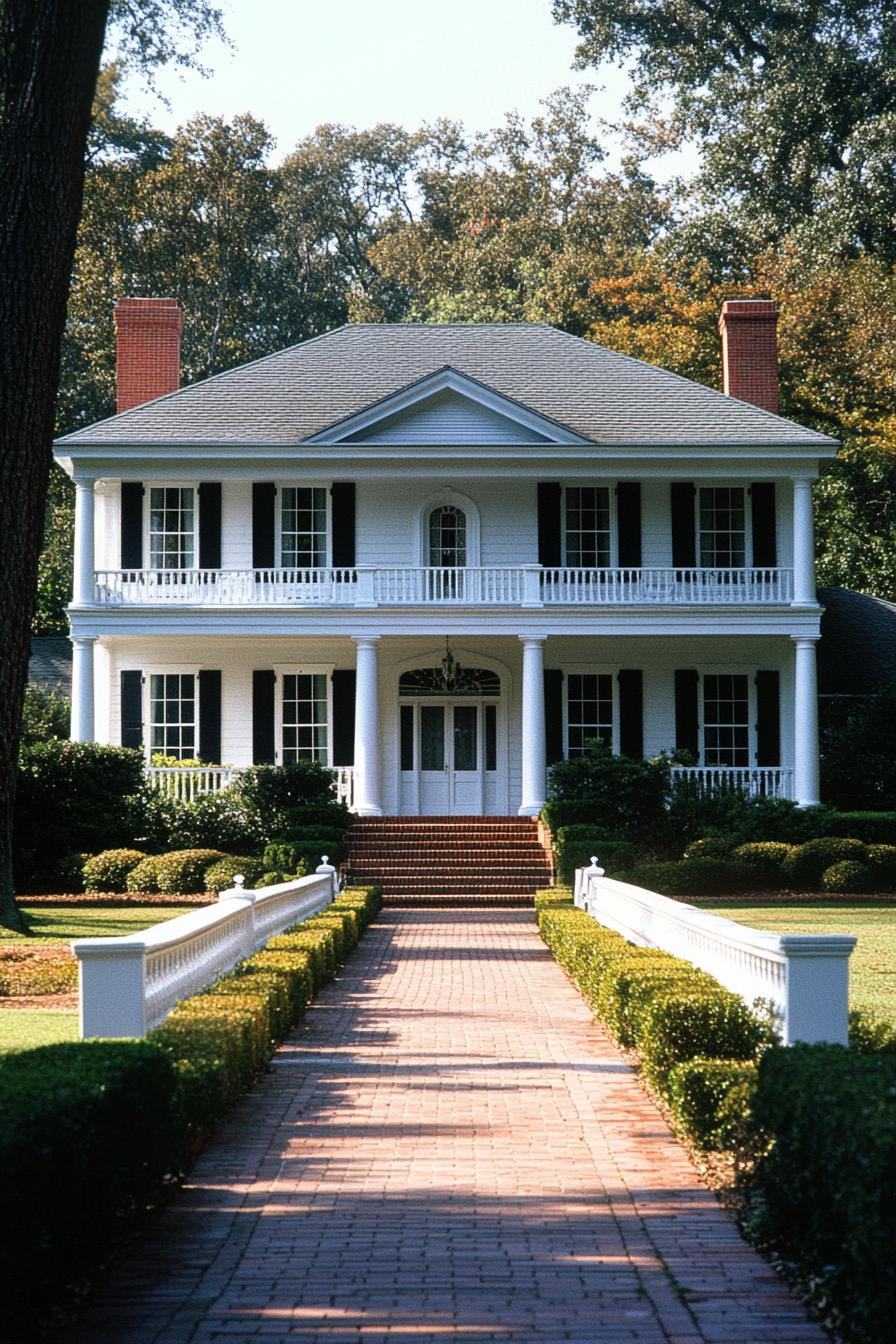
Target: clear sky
[{"x": 297, "y": 63}]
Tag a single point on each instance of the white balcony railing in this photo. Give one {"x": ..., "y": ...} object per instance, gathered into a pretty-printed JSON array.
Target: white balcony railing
[
  {"x": 759, "y": 781},
  {"x": 415, "y": 586},
  {"x": 184, "y": 783}
]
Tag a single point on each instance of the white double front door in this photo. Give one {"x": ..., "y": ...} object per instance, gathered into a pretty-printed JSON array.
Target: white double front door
[{"x": 449, "y": 757}]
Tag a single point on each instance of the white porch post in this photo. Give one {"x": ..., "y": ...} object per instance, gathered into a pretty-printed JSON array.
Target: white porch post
[
  {"x": 82, "y": 587},
  {"x": 534, "y": 768},
  {"x": 367, "y": 728},
  {"x": 803, "y": 543},
  {"x": 805, "y": 723},
  {"x": 82, "y": 688}
]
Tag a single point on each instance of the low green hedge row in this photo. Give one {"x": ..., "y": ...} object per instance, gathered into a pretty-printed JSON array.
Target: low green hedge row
[
  {"x": 711, "y": 867},
  {"x": 196, "y": 870},
  {"x": 90, "y": 1131},
  {"x": 574, "y": 846}
]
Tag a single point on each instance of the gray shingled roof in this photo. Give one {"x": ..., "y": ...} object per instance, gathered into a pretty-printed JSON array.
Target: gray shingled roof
[
  {"x": 603, "y": 396},
  {"x": 857, "y": 649}
]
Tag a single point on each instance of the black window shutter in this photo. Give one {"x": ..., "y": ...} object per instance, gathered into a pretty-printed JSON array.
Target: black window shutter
[
  {"x": 550, "y": 550},
  {"x": 631, "y": 713},
  {"x": 132, "y": 525},
  {"x": 343, "y": 736},
  {"x": 263, "y": 718},
  {"x": 684, "y": 545},
  {"x": 768, "y": 718},
  {"x": 210, "y": 717},
  {"x": 132, "y": 709},
  {"x": 628, "y": 523},
  {"x": 210, "y": 525},
  {"x": 553, "y": 715},
  {"x": 264, "y": 495},
  {"x": 765, "y": 541},
  {"x": 342, "y": 496},
  {"x": 687, "y": 727}
]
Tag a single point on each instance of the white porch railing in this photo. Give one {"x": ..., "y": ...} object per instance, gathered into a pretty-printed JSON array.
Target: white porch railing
[
  {"x": 760, "y": 781},
  {"x": 129, "y": 985},
  {"x": 184, "y": 783},
  {"x": 804, "y": 977},
  {"x": 414, "y": 586}
]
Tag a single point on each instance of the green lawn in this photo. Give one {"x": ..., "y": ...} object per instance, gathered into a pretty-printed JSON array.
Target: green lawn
[
  {"x": 61, "y": 922},
  {"x": 872, "y": 966},
  {"x": 20, "y": 1028}
]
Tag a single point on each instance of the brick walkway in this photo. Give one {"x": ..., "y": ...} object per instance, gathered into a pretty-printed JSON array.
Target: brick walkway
[{"x": 448, "y": 1149}]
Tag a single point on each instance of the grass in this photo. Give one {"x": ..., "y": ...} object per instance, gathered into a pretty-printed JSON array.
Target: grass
[
  {"x": 61, "y": 922},
  {"x": 21, "y": 1028},
  {"x": 872, "y": 966}
]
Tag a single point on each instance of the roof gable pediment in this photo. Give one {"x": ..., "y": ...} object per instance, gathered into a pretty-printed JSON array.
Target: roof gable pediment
[{"x": 446, "y": 408}]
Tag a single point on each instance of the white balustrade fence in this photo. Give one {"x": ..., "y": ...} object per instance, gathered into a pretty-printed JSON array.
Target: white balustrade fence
[
  {"x": 129, "y": 985},
  {"x": 756, "y": 781},
  {"x": 476, "y": 586},
  {"x": 183, "y": 783},
  {"x": 804, "y": 977}
]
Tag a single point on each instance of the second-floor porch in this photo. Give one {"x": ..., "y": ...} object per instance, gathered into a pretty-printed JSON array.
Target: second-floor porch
[{"x": 522, "y": 586}]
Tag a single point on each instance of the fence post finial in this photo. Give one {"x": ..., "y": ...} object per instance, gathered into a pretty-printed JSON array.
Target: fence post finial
[{"x": 325, "y": 868}]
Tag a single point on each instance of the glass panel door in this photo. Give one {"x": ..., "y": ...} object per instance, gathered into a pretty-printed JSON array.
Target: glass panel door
[{"x": 465, "y": 737}]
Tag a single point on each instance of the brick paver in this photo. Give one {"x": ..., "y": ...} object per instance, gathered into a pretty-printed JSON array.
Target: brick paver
[{"x": 447, "y": 1149}]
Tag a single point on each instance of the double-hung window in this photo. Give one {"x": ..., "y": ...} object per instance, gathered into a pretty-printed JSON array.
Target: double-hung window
[
  {"x": 589, "y": 709},
  {"x": 304, "y": 717},
  {"x": 303, "y": 527},
  {"x": 172, "y": 714},
  {"x": 587, "y": 526},
  {"x": 726, "y": 719},
  {"x": 172, "y": 527},
  {"x": 723, "y": 529}
]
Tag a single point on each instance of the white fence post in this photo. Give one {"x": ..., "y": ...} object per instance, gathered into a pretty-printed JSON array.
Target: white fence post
[
  {"x": 324, "y": 868},
  {"x": 582, "y": 877},
  {"x": 112, "y": 988},
  {"x": 240, "y": 899},
  {"x": 817, "y": 987}
]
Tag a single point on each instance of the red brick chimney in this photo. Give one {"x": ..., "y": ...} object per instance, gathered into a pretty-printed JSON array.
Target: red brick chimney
[
  {"x": 749, "y": 330},
  {"x": 147, "y": 350}
]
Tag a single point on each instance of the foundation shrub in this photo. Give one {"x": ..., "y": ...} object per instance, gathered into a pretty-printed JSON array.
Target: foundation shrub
[
  {"x": 767, "y": 856},
  {"x": 88, "y": 1132},
  {"x": 224, "y": 820},
  {"x": 802, "y": 869},
  {"x": 183, "y": 870},
  {"x": 284, "y": 857},
  {"x": 697, "y": 877},
  {"x": 875, "y": 828},
  {"x": 108, "y": 871},
  {"x": 824, "y": 1118},
  {"x": 849, "y": 877},
  {"x": 699, "y": 1094},
  {"x": 290, "y": 796},
  {"x": 882, "y": 859},
  {"x": 739, "y": 819},
  {"x": 574, "y": 846},
  {"x": 219, "y": 875},
  {"x": 613, "y": 794},
  {"x": 144, "y": 875}
]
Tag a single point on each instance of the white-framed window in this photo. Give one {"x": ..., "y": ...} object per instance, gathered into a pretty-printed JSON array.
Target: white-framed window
[
  {"x": 587, "y": 526},
  {"x": 304, "y": 714},
  {"x": 173, "y": 713},
  {"x": 447, "y": 537},
  {"x": 727, "y": 733},
  {"x": 173, "y": 524},
  {"x": 589, "y": 709},
  {"x": 304, "y": 526},
  {"x": 722, "y": 527}
]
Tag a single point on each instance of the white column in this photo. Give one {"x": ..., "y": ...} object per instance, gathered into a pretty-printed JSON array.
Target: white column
[
  {"x": 82, "y": 688},
  {"x": 82, "y": 588},
  {"x": 534, "y": 768},
  {"x": 805, "y": 723},
  {"x": 367, "y": 728},
  {"x": 803, "y": 543}
]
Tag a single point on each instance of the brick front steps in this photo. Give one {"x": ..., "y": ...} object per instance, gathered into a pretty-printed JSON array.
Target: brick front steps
[{"x": 445, "y": 861}]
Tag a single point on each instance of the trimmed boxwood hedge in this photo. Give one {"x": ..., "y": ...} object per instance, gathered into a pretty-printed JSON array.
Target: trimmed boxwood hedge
[
  {"x": 574, "y": 846},
  {"x": 90, "y": 1131}
]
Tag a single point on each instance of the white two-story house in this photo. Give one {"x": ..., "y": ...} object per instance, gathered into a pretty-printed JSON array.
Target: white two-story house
[{"x": 439, "y": 558}]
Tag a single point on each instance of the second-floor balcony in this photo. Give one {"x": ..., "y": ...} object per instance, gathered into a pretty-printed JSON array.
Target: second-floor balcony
[{"x": 525, "y": 586}]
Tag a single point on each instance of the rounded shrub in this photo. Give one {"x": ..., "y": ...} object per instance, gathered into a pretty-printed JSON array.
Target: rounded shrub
[
  {"x": 183, "y": 870},
  {"x": 220, "y": 874},
  {"x": 768, "y": 857},
  {"x": 848, "y": 876},
  {"x": 698, "y": 877},
  {"x": 144, "y": 876},
  {"x": 697, "y": 1092},
  {"x": 882, "y": 859},
  {"x": 109, "y": 870},
  {"x": 710, "y": 847},
  {"x": 802, "y": 869}
]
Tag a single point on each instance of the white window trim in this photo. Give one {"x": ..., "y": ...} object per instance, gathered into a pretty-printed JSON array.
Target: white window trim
[
  {"x": 471, "y": 513},
  {"x": 282, "y": 670},
  {"x": 728, "y": 671},
  {"x": 748, "y": 516},
  {"x": 609, "y": 486},
  {"x": 164, "y": 670},
  {"x": 148, "y": 487},
  {"x": 279, "y": 487},
  {"x": 590, "y": 669}
]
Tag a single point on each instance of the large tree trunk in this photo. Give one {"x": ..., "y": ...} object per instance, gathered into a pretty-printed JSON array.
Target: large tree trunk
[{"x": 49, "y": 58}]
